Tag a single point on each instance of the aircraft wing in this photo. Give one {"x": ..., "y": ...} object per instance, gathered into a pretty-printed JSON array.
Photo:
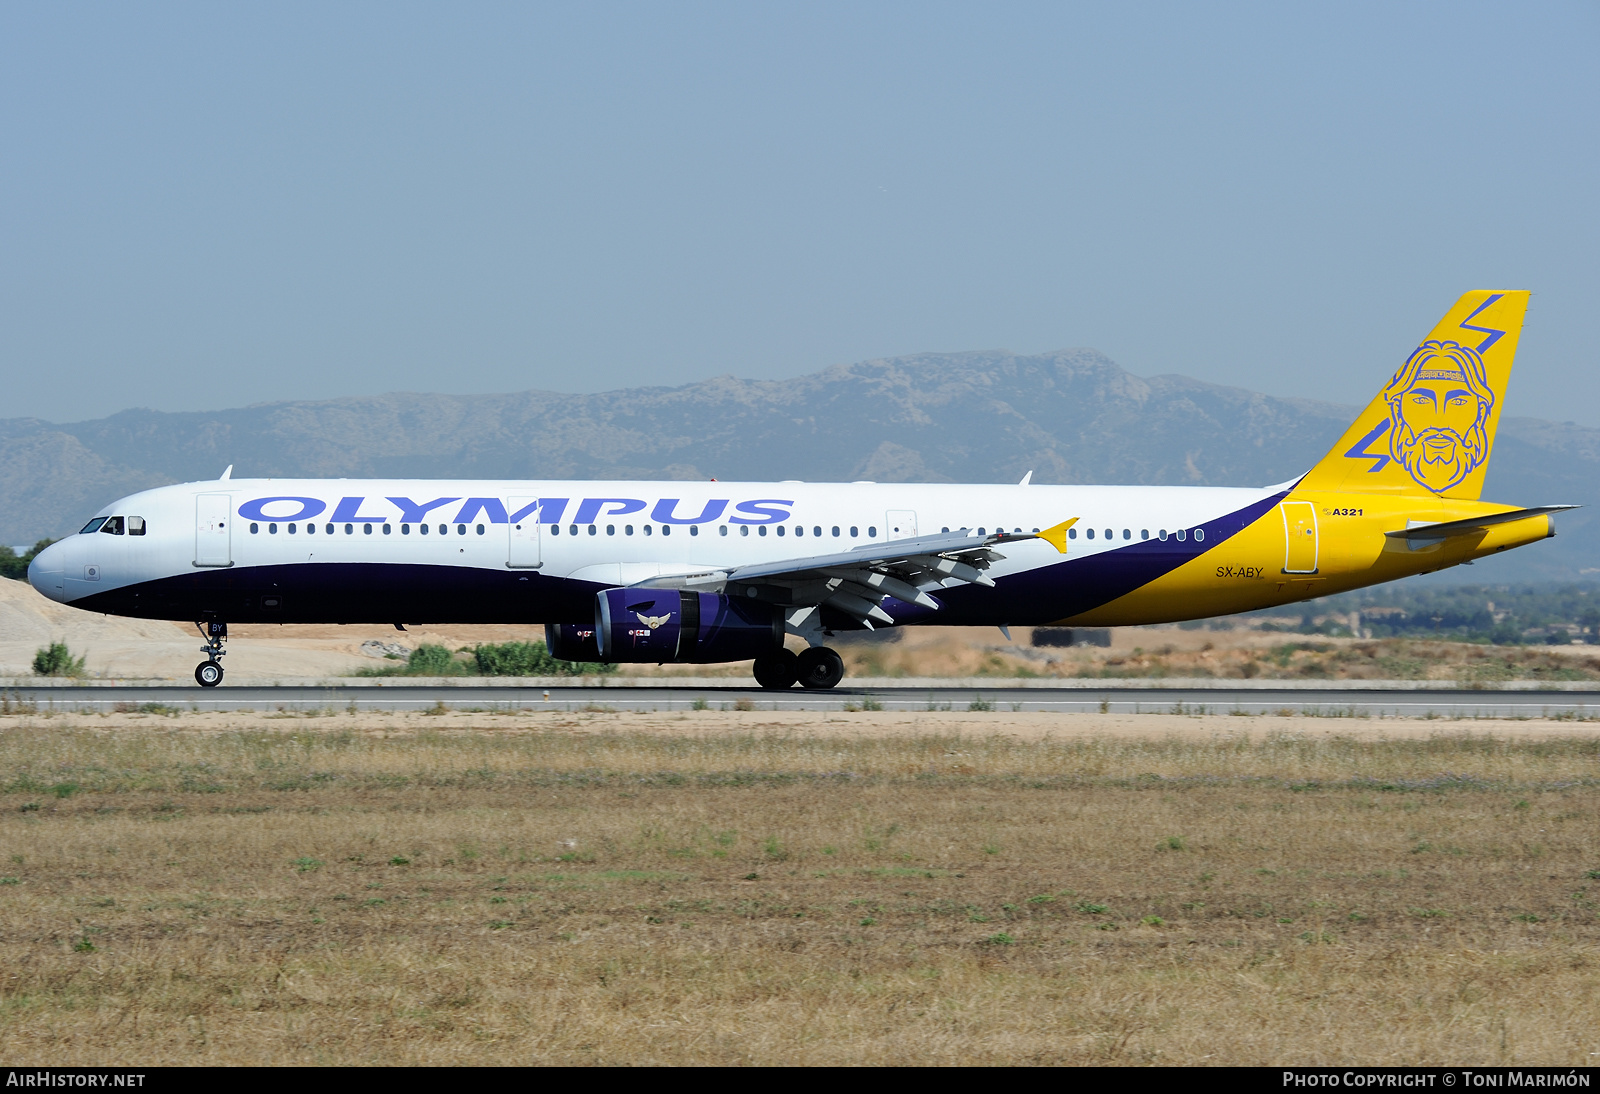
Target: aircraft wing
[{"x": 857, "y": 581}]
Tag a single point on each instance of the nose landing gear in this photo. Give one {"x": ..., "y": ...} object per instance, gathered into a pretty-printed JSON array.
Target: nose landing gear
[{"x": 208, "y": 673}]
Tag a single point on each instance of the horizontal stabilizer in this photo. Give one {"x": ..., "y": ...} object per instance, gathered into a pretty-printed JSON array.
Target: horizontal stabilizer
[{"x": 1448, "y": 528}]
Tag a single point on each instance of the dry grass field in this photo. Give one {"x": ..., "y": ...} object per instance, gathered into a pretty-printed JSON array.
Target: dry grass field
[{"x": 722, "y": 887}]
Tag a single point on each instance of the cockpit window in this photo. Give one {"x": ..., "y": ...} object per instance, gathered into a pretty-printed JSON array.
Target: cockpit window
[
  {"x": 136, "y": 526},
  {"x": 93, "y": 526},
  {"x": 112, "y": 526}
]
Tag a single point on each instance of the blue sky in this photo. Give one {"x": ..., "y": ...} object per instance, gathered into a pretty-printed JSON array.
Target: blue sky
[{"x": 211, "y": 205}]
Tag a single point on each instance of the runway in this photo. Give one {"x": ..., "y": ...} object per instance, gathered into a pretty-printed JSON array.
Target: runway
[{"x": 1327, "y": 702}]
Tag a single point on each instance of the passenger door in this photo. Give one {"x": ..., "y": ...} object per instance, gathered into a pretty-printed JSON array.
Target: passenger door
[
  {"x": 1300, "y": 536},
  {"x": 523, "y": 552},
  {"x": 213, "y": 534}
]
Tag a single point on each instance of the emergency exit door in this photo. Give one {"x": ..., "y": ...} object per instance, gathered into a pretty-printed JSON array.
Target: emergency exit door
[
  {"x": 900, "y": 524},
  {"x": 1300, "y": 536}
]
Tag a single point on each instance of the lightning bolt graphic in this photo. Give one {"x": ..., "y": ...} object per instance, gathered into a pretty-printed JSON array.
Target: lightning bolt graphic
[{"x": 1494, "y": 335}]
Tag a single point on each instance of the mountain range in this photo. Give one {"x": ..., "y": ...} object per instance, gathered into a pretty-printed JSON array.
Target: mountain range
[{"x": 1072, "y": 416}]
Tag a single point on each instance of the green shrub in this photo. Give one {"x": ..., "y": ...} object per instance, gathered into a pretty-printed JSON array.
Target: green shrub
[
  {"x": 516, "y": 659},
  {"x": 501, "y": 659},
  {"x": 429, "y": 660},
  {"x": 56, "y": 660},
  {"x": 529, "y": 659}
]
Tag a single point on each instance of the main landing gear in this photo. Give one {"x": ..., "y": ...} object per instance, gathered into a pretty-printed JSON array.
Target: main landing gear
[
  {"x": 208, "y": 673},
  {"x": 818, "y": 668}
]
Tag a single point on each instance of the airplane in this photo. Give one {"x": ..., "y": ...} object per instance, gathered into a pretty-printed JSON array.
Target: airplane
[{"x": 707, "y": 572}]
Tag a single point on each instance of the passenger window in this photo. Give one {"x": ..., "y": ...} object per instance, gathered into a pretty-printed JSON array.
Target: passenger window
[
  {"x": 311, "y": 529},
  {"x": 328, "y": 529},
  {"x": 744, "y": 529},
  {"x": 292, "y": 529},
  {"x": 592, "y": 530},
  {"x": 112, "y": 526},
  {"x": 272, "y": 529},
  {"x": 981, "y": 532},
  {"x": 1144, "y": 533},
  {"x": 628, "y": 529},
  {"x": 723, "y": 529},
  {"x": 1072, "y": 533},
  {"x": 92, "y": 526},
  {"x": 611, "y": 529},
  {"x": 405, "y": 529},
  {"x": 1089, "y": 532},
  {"x": 835, "y": 531},
  {"x": 1162, "y": 535},
  {"x": 799, "y": 529},
  {"x": 572, "y": 530},
  {"x": 254, "y": 529},
  {"x": 761, "y": 531},
  {"x": 853, "y": 532},
  {"x": 1199, "y": 535},
  {"x": 872, "y": 533},
  {"x": 366, "y": 529},
  {"x": 694, "y": 530},
  {"x": 349, "y": 529},
  {"x": 136, "y": 526},
  {"x": 1127, "y": 534},
  {"x": 944, "y": 529},
  {"x": 780, "y": 529},
  {"x": 386, "y": 529},
  {"x": 1179, "y": 535},
  {"x": 1108, "y": 534},
  {"x": 647, "y": 529},
  {"x": 480, "y": 529},
  {"x": 816, "y": 530},
  {"x": 461, "y": 529},
  {"x": 666, "y": 529}
]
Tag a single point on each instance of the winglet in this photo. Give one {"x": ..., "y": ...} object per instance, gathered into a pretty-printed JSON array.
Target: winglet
[
  {"x": 226, "y": 475},
  {"x": 1057, "y": 536}
]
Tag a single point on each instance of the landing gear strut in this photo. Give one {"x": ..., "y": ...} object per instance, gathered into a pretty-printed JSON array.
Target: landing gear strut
[{"x": 208, "y": 673}]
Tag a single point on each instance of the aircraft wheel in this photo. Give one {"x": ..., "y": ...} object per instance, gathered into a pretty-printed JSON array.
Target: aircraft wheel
[
  {"x": 820, "y": 668},
  {"x": 777, "y": 670},
  {"x": 208, "y": 674}
]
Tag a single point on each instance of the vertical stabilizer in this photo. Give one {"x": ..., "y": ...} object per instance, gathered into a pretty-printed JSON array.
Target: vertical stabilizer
[{"x": 1431, "y": 429}]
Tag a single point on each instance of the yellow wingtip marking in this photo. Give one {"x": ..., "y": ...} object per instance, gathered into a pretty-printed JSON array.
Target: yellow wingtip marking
[{"x": 1057, "y": 536}]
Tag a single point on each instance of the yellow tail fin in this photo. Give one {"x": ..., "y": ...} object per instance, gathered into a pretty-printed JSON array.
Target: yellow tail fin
[{"x": 1430, "y": 431}]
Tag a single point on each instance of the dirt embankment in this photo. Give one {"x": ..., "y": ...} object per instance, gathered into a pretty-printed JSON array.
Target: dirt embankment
[{"x": 157, "y": 650}]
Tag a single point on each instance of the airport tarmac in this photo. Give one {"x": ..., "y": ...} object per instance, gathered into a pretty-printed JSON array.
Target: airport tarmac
[{"x": 1323, "y": 701}]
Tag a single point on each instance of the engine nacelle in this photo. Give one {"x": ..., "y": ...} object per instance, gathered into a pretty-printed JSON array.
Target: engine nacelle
[
  {"x": 572, "y": 641},
  {"x": 661, "y": 625}
]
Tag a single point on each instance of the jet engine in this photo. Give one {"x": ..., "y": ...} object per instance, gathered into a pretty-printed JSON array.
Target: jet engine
[{"x": 661, "y": 625}]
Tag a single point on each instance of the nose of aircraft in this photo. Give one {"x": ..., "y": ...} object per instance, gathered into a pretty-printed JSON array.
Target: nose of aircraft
[{"x": 47, "y": 571}]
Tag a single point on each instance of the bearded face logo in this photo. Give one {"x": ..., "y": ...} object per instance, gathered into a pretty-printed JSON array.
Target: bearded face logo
[{"x": 1438, "y": 404}]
